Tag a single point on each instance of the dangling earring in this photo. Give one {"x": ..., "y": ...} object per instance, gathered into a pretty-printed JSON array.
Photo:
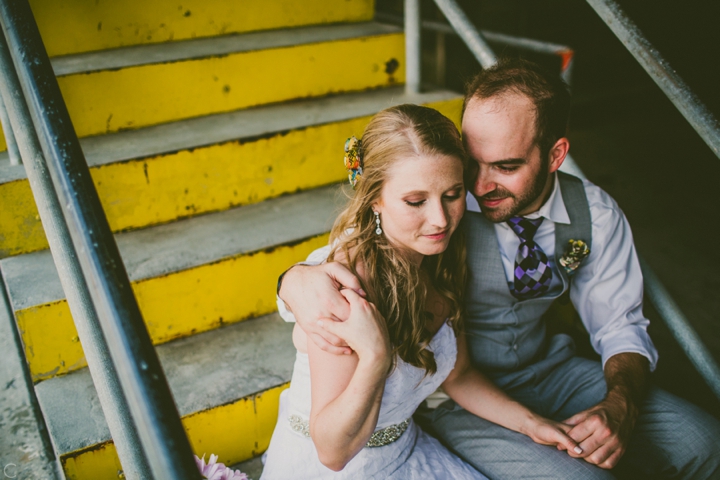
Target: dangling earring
[{"x": 378, "y": 230}]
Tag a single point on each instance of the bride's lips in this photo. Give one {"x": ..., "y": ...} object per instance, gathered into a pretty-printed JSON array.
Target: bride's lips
[{"x": 437, "y": 236}]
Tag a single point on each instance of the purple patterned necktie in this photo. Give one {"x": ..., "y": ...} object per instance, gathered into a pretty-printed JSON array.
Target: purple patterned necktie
[{"x": 532, "y": 270}]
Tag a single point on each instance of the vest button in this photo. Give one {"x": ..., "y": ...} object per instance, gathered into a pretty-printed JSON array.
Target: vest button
[{"x": 515, "y": 347}]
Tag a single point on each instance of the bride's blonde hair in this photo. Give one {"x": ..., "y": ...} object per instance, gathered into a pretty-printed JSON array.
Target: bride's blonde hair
[{"x": 392, "y": 282}]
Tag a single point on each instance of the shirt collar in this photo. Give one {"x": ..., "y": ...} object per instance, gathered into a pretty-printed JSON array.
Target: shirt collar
[{"x": 553, "y": 209}]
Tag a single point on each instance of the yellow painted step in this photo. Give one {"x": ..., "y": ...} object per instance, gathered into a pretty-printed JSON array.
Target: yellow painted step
[
  {"x": 136, "y": 96},
  {"x": 139, "y": 86},
  {"x": 225, "y": 383},
  {"x": 203, "y": 165},
  {"x": 235, "y": 432},
  {"x": 74, "y": 26},
  {"x": 191, "y": 276},
  {"x": 20, "y": 227},
  {"x": 173, "y": 306}
]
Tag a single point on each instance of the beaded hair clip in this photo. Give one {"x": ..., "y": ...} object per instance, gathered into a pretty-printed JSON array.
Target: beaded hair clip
[{"x": 353, "y": 159}]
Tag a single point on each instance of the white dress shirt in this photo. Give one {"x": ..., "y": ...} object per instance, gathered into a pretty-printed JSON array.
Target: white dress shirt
[{"x": 607, "y": 288}]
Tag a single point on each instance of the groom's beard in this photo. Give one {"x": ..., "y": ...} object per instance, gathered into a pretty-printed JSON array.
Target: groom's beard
[{"x": 517, "y": 203}]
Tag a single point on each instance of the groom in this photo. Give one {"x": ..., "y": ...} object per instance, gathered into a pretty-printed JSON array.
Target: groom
[{"x": 534, "y": 233}]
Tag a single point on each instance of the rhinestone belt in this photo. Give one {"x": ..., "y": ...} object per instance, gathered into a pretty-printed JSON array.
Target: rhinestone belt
[{"x": 379, "y": 438}]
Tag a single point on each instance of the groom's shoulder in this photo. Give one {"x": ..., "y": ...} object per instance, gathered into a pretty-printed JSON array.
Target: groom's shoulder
[
  {"x": 598, "y": 199},
  {"x": 601, "y": 203}
]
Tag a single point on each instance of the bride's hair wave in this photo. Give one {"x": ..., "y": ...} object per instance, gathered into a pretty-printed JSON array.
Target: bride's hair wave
[{"x": 392, "y": 282}]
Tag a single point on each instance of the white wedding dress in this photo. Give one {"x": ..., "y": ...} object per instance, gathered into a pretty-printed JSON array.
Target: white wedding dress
[{"x": 415, "y": 455}]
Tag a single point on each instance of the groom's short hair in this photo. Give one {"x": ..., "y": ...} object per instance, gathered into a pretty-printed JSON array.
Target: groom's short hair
[{"x": 548, "y": 92}]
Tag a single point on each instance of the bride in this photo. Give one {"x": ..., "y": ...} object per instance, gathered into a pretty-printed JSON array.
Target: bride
[{"x": 350, "y": 416}]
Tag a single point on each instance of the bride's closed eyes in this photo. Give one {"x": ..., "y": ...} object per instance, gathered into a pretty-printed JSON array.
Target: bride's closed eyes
[{"x": 455, "y": 194}]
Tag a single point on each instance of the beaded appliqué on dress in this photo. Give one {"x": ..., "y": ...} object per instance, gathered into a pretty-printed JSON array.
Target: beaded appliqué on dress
[
  {"x": 387, "y": 435},
  {"x": 299, "y": 425},
  {"x": 381, "y": 437}
]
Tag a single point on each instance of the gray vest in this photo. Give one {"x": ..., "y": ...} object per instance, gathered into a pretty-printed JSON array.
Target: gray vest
[{"x": 505, "y": 334}]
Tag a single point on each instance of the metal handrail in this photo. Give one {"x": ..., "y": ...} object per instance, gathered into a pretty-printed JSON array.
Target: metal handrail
[
  {"x": 679, "y": 93},
  {"x": 674, "y": 318},
  {"x": 467, "y": 31},
  {"x": 138, "y": 368},
  {"x": 680, "y": 327},
  {"x": 696, "y": 114},
  {"x": 84, "y": 316}
]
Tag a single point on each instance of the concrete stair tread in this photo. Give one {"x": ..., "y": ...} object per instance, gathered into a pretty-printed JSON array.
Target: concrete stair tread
[
  {"x": 253, "y": 467},
  {"x": 32, "y": 278},
  {"x": 213, "y": 46},
  {"x": 241, "y": 125},
  {"x": 207, "y": 370}
]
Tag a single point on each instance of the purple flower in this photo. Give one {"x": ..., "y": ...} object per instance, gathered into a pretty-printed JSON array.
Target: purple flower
[
  {"x": 217, "y": 471},
  {"x": 229, "y": 474}
]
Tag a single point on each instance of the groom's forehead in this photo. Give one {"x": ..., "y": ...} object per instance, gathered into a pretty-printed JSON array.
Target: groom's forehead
[
  {"x": 498, "y": 104},
  {"x": 509, "y": 117}
]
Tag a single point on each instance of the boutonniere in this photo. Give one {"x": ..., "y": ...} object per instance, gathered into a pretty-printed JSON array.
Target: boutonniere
[{"x": 575, "y": 253}]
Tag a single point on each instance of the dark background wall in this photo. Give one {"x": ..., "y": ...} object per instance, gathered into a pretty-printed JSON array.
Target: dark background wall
[{"x": 629, "y": 139}]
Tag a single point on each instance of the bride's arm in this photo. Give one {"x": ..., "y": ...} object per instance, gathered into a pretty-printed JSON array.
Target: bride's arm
[
  {"x": 347, "y": 389},
  {"x": 477, "y": 394}
]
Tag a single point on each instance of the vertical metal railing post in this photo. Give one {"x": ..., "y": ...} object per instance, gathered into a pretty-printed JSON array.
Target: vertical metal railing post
[
  {"x": 679, "y": 93},
  {"x": 12, "y": 148},
  {"x": 112, "y": 400},
  {"x": 413, "y": 47},
  {"x": 135, "y": 360}
]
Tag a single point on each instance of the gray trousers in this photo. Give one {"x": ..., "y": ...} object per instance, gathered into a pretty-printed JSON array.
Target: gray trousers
[{"x": 672, "y": 437}]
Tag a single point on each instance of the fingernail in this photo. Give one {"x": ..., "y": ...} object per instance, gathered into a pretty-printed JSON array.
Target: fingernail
[
  {"x": 361, "y": 292},
  {"x": 578, "y": 450},
  {"x": 319, "y": 323}
]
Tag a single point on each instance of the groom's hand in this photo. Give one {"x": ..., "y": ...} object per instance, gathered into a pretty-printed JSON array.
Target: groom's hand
[
  {"x": 312, "y": 293},
  {"x": 604, "y": 430}
]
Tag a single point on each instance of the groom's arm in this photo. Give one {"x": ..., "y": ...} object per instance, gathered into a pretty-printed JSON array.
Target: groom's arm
[{"x": 608, "y": 294}]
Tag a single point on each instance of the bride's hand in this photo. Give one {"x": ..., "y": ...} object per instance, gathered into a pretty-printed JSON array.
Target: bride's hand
[
  {"x": 364, "y": 331},
  {"x": 547, "y": 432}
]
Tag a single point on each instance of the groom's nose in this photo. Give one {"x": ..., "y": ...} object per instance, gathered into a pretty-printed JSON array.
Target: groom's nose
[{"x": 483, "y": 184}]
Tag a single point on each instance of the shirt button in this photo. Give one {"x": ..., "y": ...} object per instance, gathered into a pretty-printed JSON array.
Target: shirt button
[{"x": 515, "y": 347}]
